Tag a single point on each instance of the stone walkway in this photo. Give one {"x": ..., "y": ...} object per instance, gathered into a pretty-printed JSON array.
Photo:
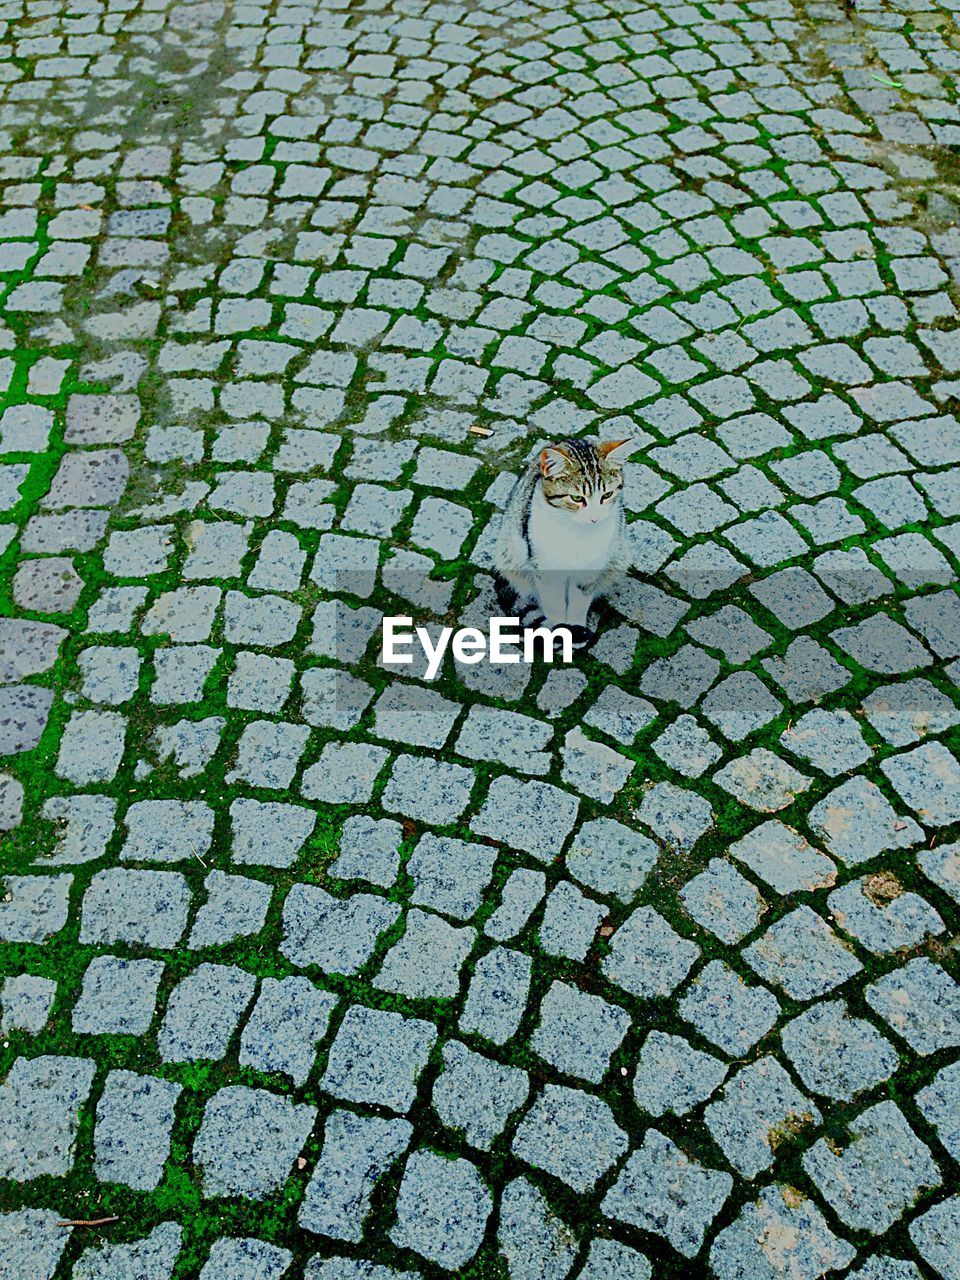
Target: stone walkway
[{"x": 639, "y": 968}]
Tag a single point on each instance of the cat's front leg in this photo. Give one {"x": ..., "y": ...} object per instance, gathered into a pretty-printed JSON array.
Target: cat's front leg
[
  {"x": 578, "y": 606},
  {"x": 552, "y": 598},
  {"x": 564, "y": 604}
]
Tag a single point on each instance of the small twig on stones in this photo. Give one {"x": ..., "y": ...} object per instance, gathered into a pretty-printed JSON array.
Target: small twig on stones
[{"x": 87, "y": 1222}]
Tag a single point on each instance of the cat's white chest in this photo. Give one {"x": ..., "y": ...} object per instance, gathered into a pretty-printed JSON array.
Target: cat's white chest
[{"x": 559, "y": 541}]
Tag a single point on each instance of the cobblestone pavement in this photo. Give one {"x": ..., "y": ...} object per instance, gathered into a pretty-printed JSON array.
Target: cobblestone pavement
[{"x": 639, "y": 968}]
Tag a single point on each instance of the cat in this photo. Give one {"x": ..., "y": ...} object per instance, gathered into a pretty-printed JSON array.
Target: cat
[{"x": 563, "y": 540}]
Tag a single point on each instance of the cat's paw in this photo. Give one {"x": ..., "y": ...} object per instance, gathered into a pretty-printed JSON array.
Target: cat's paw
[{"x": 581, "y": 636}]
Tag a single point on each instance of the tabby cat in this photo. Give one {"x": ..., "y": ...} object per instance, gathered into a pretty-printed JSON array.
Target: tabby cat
[{"x": 563, "y": 541}]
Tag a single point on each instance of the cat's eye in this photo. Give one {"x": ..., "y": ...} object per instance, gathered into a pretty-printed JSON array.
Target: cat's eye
[{"x": 607, "y": 496}]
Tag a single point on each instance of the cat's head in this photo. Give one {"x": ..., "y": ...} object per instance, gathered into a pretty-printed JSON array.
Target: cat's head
[{"x": 583, "y": 478}]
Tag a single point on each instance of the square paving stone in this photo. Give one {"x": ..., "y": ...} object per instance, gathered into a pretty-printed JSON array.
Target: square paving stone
[
  {"x": 536, "y": 1243},
  {"x": 662, "y": 1190},
  {"x": 23, "y": 717},
  {"x": 145, "y": 907},
  {"x": 377, "y": 1058},
  {"x": 516, "y": 741},
  {"x": 345, "y": 773},
  {"x": 881, "y": 916},
  {"x": 578, "y": 1033},
  {"x": 809, "y": 1248},
  {"x": 34, "y": 908},
  {"x": 27, "y": 648},
  {"x": 726, "y": 1011},
  {"x": 248, "y": 1141},
  {"x": 570, "y": 922},
  {"x": 921, "y": 1003},
  {"x": 784, "y": 859},
  {"x": 450, "y": 875},
  {"x": 879, "y": 1175},
  {"x": 414, "y": 715},
  {"x": 369, "y": 850},
  {"x": 245, "y": 1258},
  {"x": 185, "y": 615},
  {"x": 620, "y": 715},
  {"x": 571, "y": 1135},
  {"x": 721, "y": 900},
  {"x": 268, "y": 754},
  {"x": 50, "y": 585},
  {"x": 191, "y": 744},
  {"x": 939, "y": 1103},
  {"x": 677, "y": 815},
  {"x": 673, "y": 1076},
  {"x": 760, "y": 1107},
  {"x": 836, "y": 1054},
  {"x": 731, "y": 631},
  {"x": 794, "y": 597},
  {"x": 442, "y": 1209},
  {"x": 739, "y": 705},
  {"x": 904, "y": 713},
  {"x": 801, "y": 954},
  {"x": 592, "y": 768},
  {"x": 154, "y": 1255},
  {"x": 203, "y": 1011},
  {"x": 942, "y": 866},
  {"x": 686, "y": 747},
  {"x": 935, "y": 1234},
  {"x": 886, "y": 1268},
  {"x": 118, "y": 996},
  {"x": 266, "y": 621},
  {"x": 647, "y": 958},
  {"x": 532, "y": 816},
  {"x": 332, "y": 698},
  {"x": 353, "y": 1269},
  {"x": 84, "y": 826},
  {"x": 32, "y": 1242},
  {"x": 928, "y": 780},
  {"x": 762, "y": 781},
  {"x": 881, "y": 644},
  {"x": 429, "y": 791},
  {"x": 260, "y": 683},
  {"x": 11, "y": 802},
  {"x": 829, "y": 740},
  {"x": 132, "y": 1134},
  {"x": 856, "y": 822},
  {"x": 806, "y": 672},
  {"x": 91, "y": 747},
  {"x": 269, "y": 833},
  {"x": 26, "y": 1001},
  {"x": 425, "y": 963},
  {"x": 477, "y": 1095},
  {"x": 337, "y": 935},
  {"x": 608, "y": 1260},
  {"x": 357, "y": 1151},
  {"x": 167, "y": 831},
  {"x": 497, "y": 996},
  {"x": 236, "y": 907},
  {"x": 287, "y": 1023},
  {"x": 521, "y": 895},
  {"x": 609, "y": 858},
  {"x": 40, "y": 1104},
  {"x": 181, "y": 673}
]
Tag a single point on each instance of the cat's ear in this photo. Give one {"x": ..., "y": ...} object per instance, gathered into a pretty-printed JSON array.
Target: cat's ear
[
  {"x": 553, "y": 461},
  {"x": 615, "y": 450}
]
